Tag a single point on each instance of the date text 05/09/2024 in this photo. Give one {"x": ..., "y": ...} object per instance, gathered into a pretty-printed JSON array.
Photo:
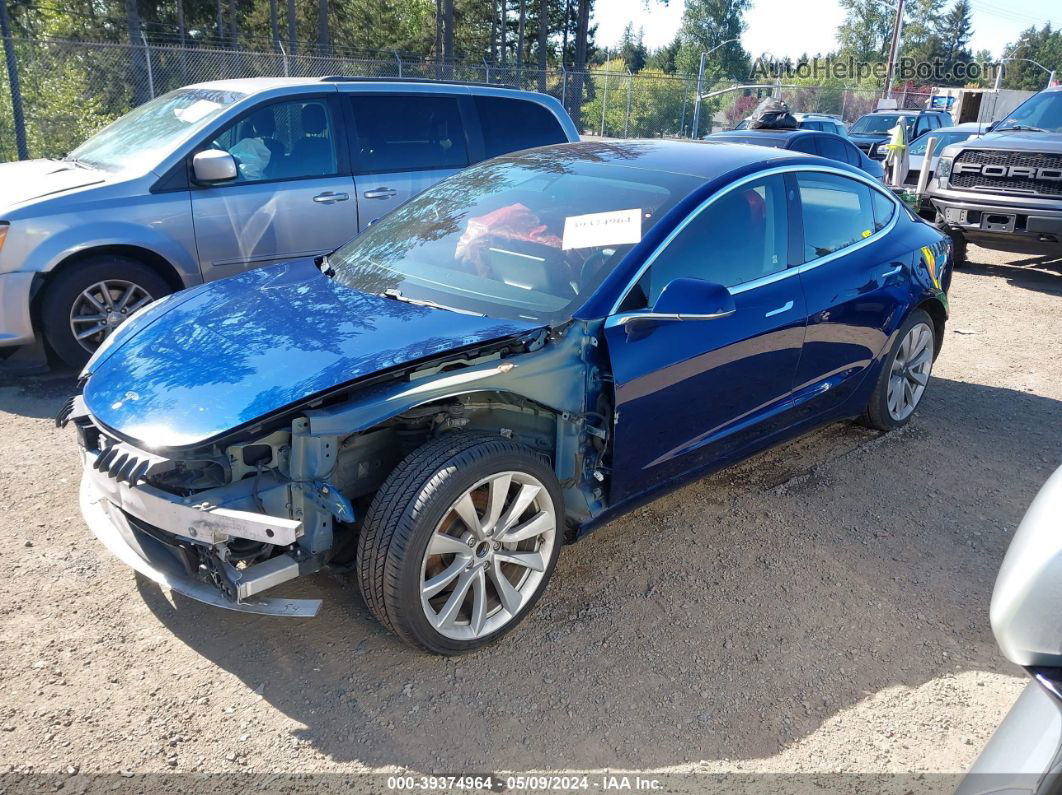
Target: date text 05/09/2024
[{"x": 527, "y": 783}]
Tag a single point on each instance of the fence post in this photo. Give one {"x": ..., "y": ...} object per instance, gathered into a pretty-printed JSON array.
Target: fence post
[
  {"x": 685, "y": 99},
  {"x": 284, "y": 56},
  {"x": 604, "y": 97},
  {"x": 16, "y": 90},
  {"x": 627, "y": 116},
  {"x": 147, "y": 61},
  {"x": 398, "y": 58},
  {"x": 486, "y": 71},
  {"x": 564, "y": 87}
]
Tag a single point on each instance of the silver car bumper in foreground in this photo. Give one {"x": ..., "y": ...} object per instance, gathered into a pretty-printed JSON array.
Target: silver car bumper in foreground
[{"x": 102, "y": 501}]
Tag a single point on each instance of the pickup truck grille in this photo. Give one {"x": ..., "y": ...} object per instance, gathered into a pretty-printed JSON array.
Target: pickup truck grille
[{"x": 1008, "y": 183}]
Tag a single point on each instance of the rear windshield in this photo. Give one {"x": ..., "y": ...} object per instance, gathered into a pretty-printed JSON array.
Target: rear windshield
[{"x": 527, "y": 240}]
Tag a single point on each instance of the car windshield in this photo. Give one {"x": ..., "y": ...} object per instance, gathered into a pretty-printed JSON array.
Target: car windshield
[
  {"x": 918, "y": 145},
  {"x": 145, "y": 135},
  {"x": 1043, "y": 111},
  {"x": 526, "y": 240},
  {"x": 877, "y": 123}
]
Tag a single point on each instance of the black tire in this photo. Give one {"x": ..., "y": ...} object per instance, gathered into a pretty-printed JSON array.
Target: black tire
[
  {"x": 64, "y": 290},
  {"x": 403, "y": 517},
  {"x": 958, "y": 250},
  {"x": 877, "y": 414}
]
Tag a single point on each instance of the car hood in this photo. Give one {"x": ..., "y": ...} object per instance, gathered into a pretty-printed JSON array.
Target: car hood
[
  {"x": 867, "y": 138},
  {"x": 233, "y": 351},
  {"x": 1018, "y": 141},
  {"x": 31, "y": 179}
]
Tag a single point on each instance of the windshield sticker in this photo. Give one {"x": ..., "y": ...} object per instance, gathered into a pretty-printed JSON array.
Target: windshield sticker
[
  {"x": 602, "y": 229},
  {"x": 196, "y": 111}
]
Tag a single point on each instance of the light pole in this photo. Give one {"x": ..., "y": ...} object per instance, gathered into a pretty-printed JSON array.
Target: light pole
[
  {"x": 999, "y": 72},
  {"x": 700, "y": 86},
  {"x": 894, "y": 46}
]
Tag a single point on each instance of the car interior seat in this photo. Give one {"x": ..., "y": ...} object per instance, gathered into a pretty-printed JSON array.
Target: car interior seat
[{"x": 312, "y": 153}]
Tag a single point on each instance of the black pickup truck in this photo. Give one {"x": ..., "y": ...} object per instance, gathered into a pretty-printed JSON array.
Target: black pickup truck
[{"x": 1004, "y": 190}]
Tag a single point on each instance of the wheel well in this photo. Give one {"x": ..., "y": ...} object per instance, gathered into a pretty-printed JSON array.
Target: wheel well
[
  {"x": 157, "y": 263},
  {"x": 932, "y": 307}
]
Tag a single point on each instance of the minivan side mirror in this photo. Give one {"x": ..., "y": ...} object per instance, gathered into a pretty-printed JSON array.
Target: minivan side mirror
[
  {"x": 687, "y": 299},
  {"x": 213, "y": 166}
]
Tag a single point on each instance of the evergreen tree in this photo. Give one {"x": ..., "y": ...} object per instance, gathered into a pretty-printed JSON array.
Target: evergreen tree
[{"x": 865, "y": 32}]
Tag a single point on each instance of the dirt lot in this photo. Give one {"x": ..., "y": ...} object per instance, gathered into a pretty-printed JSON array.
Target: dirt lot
[{"x": 820, "y": 608}]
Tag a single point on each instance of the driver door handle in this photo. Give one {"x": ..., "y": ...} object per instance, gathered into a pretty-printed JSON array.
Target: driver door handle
[
  {"x": 330, "y": 197},
  {"x": 380, "y": 193},
  {"x": 784, "y": 308}
]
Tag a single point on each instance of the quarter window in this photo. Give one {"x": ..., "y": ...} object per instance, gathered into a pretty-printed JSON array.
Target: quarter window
[
  {"x": 741, "y": 236},
  {"x": 286, "y": 140},
  {"x": 884, "y": 209},
  {"x": 513, "y": 124},
  {"x": 837, "y": 213},
  {"x": 408, "y": 133}
]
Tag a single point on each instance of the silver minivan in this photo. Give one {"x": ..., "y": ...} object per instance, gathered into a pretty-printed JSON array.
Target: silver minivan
[{"x": 215, "y": 178}]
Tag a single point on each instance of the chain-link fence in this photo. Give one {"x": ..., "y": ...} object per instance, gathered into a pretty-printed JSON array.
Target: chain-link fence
[{"x": 70, "y": 89}]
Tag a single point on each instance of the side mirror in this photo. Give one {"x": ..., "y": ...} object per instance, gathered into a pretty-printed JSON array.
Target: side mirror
[
  {"x": 213, "y": 166},
  {"x": 687, "y": 299},
  {"x": 992, "y": 126}
]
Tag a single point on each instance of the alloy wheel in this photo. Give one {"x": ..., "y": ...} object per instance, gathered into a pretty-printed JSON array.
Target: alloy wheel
[
  {"x": 487, "y": 557},
  {"x": 910, "y": 371},
  {"x": 102, "y": 307}
]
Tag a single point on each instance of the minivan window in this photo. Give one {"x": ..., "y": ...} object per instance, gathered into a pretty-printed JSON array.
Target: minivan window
[
  {"x": 837, "y": 213},
  {"x": 285, "y": 140},
  {"x": 145, "y": 135},
  {"x": 513, "y": 124},
  {"x": 408, "y": 133}
]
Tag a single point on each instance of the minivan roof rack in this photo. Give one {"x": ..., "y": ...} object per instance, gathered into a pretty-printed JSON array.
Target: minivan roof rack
[{"x": 349, "y": 79}]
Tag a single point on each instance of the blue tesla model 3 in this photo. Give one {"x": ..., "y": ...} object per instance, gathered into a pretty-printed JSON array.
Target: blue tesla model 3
[{"x": 531, "y": 347}]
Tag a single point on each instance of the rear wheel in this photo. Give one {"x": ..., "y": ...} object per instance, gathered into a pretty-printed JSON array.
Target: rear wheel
[
  {"x": 905, "y": 374},
  {"x": 85, "y": 303},
  {"x": 460, "y": 541}
]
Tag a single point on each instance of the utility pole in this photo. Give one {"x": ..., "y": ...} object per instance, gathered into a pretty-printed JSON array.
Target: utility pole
[
  {"x": 894, "y": 48},
  {"x": 697, "y": 100},
  {"x": 293, "y": 36},
  {"x": 12, "y": 76}
]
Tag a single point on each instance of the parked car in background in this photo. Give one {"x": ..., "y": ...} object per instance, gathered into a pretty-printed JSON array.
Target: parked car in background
[
  {"x": 822, "y": 122},
  {"x": 527, "y": 349},
  {"x": 824, "y": 144},
  {"x": 1004, "y": 190},
  {"x": 873, "y": 128},
  {"x": 210, "y": 180},
  {"x": 1025, "y": 753}
]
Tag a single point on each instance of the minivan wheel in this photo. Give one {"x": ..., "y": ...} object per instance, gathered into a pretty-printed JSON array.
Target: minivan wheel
[
  {"x": 905, "y": 374},
  {"x": 460, "y": 542},
  {"x": 87, "y": 301}
]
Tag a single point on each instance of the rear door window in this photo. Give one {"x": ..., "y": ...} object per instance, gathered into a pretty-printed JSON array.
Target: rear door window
[
  {"x": 832, "y": 148},
  {"x": 414, "y": 132},
  {"x": 513, "y": 124},
  {"x": 837, "y": 213},
  {"x": 805, "y": 143}
]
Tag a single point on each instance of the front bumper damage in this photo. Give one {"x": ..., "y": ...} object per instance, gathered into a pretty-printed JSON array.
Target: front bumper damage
[{"x": 171, "y": 541}]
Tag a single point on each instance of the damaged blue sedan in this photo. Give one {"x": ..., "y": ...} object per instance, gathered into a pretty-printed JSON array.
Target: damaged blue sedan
[{"x": 528, "y": 349}]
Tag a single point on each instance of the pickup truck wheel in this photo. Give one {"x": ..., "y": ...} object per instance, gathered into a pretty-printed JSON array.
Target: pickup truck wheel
[
  {"x": 85, "y": 303},
  {"x": 904, "y": 375},
  {"x": 460, "y": 541}
]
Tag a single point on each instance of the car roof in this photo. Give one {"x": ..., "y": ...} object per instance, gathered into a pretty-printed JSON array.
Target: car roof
[
  {"x": 703, "y": 159},
  {"x": 781, "y": 137}
]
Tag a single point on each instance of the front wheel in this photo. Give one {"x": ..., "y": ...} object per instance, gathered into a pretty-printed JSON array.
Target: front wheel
[
  {"x": 905, "y": 374},
  {"x": 460, "y": 541},
  {"x": 87, "y": 301}
]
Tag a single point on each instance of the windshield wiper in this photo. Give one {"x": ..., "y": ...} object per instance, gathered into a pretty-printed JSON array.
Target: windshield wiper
[
  {"x": 1025, "y": 127},
  {"x": 396, "y": 295}
]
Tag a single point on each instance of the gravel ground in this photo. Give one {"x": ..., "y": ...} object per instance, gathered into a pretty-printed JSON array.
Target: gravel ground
[{"x": 822, "y": 607}]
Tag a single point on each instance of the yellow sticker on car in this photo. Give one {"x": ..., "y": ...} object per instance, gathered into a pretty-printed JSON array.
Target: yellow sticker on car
[{"x": 931, "y": 265}]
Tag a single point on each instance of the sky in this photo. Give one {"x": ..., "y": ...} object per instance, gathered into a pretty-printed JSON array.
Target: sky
[{"x": 786, "y": 28}]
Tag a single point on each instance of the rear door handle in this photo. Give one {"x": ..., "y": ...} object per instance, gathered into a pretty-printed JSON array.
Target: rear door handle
[
  {"x": 892, "y": 272},
  {"x": 330, "y": 197},
  {"x": 380, "y": 193},
  {"x": 784, "y": 308}
]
